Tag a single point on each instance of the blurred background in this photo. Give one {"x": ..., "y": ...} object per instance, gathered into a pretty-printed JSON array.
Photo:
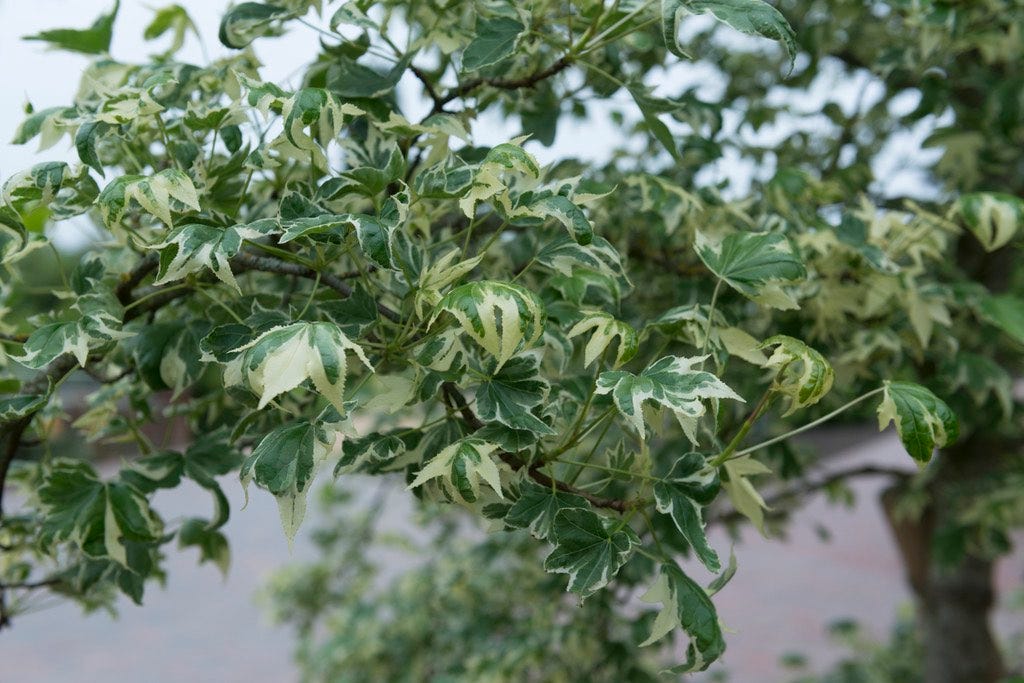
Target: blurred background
[{"x": 836, "y": 580}]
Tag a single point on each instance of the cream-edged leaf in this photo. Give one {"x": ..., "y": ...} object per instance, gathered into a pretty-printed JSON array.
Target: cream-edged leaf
[
  {"x": 604, "y": 328},
  {"x": 803, "y": 374},
  {"x": 670, "y": 382},
  {"x": 755, "y": 264},
  {"x": 923, "y": 421},
  {"x": 284, "y": 463},
  {"x": 501, "y": 317},
  {"x": 687, "y": 605},
  {"x": 995, "y": 218},
  {"x": 160, "y": 194},
  {"x": 461, "y": 466},
  {"x": 589, "y": 548},
  {"x": 282, "y": 358}
]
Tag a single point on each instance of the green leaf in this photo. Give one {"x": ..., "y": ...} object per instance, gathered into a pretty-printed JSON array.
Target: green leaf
[
  {"x": 686, "y": 605},
  {"x": 644, "y": 102},
  {"x": 499, "y": 316},
  {"x": 745, "y": 498},
  {"x": 670, "y": 382},
  {"x": 538, "y": 506},
  {"x": 247, "y": 21},
  {"x": 349, "y": 79},
  {"x": 159, "y": 194},
  {"x": 994, "y": 218},
  {"x": 174, "y": 19},
  {"x": 94, "y": 40},
  {"x": 681, "y": 494},
  {"x": 17, "y": 407},
  {"x": 285, "y": 463},
  {"x": 1006, "y": 312},
  {"x": 753, "y": 17},
  {"x": 604, "y": 328},
  {"x": 510, "y": 393},
  {"x": 803, "y": 374},
  {"x": 589, "y": 548},
  {"x": 461, "y": 466},
  {"x": 923, "y": 421},
  {"x": 213, "y": 545},
  {"x": 282, "y": 358},
  {"x": 495, "y": 40},
  {"x": 754, "y": 264}
]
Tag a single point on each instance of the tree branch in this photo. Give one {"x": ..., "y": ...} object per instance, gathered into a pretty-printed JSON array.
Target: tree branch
[{"x": 527, "y": 81}]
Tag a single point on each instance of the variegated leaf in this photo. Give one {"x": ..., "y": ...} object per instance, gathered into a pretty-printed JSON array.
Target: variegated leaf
[
  {"x": 802, "y": 374},
  {"x": 923, "y": 421},
  {"x": 499, "y": 316},
  {"x": 671, "y": 382},
  {"x": 282, "y": 358},
  {"x": 461, "y": 467},
  {"x": 603, "y": 329}
]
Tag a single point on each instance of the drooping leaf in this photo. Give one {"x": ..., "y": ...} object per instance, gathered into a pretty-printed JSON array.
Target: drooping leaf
[
  {"x": 509, "y": 394},
  {"x": 995, "y": 218},
  {"x": 682, "y": 495},
  {"x": 285, "y": 463},
  {"x": 745, "y": 498},
  {"x": 923, "y": 421},
  {"x": 687, "y": 605},
  {"x": 247, "y": 21},
  {"x": 94, "y": 40},
  {"x": 589, "y": 548},
  {"x": 461, "y": 466},
  {"x": 98, "y": 517},
  {"x": 603, "y": 329},
  {"x": 754, "y": 264},
  {"x": 671, "y": 382},
  {"x": 282, "y": 358},
  {"x": 753, "y": 17},
  {"x": 495, "y": 40},
  {"x": 499, "y": 316},
  {"x": 803, "y": 374}
]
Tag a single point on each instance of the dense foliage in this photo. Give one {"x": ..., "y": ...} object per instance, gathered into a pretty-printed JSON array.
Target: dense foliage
[{"x": 332, "y": 272}]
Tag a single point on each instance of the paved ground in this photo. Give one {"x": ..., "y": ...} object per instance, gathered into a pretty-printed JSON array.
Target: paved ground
[{"x": 201, "y": 628}]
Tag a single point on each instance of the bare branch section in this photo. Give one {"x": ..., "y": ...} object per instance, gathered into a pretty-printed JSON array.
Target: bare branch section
[{"x": 527, "y": 81}]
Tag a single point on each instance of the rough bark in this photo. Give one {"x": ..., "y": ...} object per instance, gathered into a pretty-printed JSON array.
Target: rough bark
[{"x": 954, "y": 602}]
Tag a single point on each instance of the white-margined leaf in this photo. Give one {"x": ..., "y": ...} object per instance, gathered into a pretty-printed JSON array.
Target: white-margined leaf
[
  {"x": 671, "y": 382},
  {"x": 687, "y": 605},
  {"x": 499, "y": 316},
  {"x": 923, "y": 421},
  {"x": 506, "y": 165},
  {"x": 509, "y": 394},
  {"x": 285, "y": 463},
  {"x": 804, "y": 376},
  {"x": 994, "y": 217},
  {"x": 589, "y": 548},
  {"x": 604, "y": 328},
  {"x": 682, "y": 494},
  {"x": 284, "y": 357},
  {"x": 461, "y": 467},
  {"x": 160, "y": 194},
  {"x": 753, "y": 17},
  {"x": 494, "y": 40},
  {"x": 194, "y": 247}
]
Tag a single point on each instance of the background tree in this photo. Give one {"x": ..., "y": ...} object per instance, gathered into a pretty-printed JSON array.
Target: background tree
[{"x": 285, "y": 264}]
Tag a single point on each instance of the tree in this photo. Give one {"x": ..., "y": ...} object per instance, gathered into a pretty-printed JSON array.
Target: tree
[{"x": 285, "y": 264}]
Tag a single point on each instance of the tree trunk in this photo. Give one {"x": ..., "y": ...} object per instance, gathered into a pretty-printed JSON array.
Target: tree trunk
[{"x": 954, "y": 602}]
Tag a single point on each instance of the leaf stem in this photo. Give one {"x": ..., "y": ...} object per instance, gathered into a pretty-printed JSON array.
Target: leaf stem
[{"x": 811, "y": 425}]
